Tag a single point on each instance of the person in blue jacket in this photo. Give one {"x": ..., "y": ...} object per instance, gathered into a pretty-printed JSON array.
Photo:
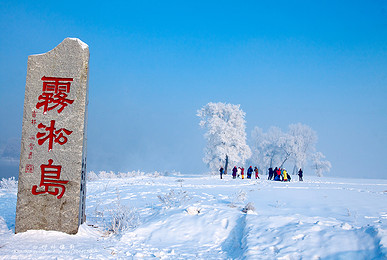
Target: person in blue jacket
[
  {"x": 249, "y": 172},
  {"x": 221, "y": 171}
]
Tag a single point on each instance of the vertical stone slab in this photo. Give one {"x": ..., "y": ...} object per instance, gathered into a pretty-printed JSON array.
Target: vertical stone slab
[{"x": 51, "y": 192}]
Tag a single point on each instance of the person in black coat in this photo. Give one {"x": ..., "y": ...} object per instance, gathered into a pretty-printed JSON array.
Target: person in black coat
[
  {"x": 221, "y": 171},
  {"x": 270, "y": 173},
  {"x": 300, "y": 174},
  {"x": 275, "y": 173}
]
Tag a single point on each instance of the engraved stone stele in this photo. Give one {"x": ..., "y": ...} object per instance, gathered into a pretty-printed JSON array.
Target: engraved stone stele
[{"x": 51, "y": 191}]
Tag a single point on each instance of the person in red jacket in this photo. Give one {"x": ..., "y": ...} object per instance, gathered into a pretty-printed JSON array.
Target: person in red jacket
[
  {"x": 277, "y": 174},
  {"x": 256, "y": 173}
]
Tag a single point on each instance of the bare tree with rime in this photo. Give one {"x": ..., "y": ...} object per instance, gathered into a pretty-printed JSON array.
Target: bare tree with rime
[{"x": 275, "y": 147}]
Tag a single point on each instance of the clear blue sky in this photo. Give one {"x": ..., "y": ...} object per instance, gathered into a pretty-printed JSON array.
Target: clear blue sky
[{"x": 154, "y": 63}]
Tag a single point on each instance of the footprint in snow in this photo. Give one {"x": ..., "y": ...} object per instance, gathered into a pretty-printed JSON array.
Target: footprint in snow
[
  {"x": 225, "y": 223},
  {"x": 346, "y": 226},
  {"x": 297, "y": 237}
]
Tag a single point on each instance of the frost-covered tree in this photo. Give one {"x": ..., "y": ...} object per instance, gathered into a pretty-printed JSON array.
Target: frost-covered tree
[
  {"x": 268, "y": 148},
  {"x": 226, "y": 134},
  {"x": 304, "y": 142},
  {"x": 275, "y": 148},
  {"x": 319, "y": 165}
]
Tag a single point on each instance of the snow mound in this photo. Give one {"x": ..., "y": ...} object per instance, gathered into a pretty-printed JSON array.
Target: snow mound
[
  {"x": 296, "y": 220},
  {"x": 193, "y": 210}
]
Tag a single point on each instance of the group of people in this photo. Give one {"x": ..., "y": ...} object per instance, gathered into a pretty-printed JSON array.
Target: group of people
[
  {"x": 239, "y": 172},
  {"x": 277, "y": 174}
]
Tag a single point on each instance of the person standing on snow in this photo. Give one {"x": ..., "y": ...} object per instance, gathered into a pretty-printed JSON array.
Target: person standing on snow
[
  {"x": 249, "y": 172},
  {"x": 243, "y": 172},
  {"x": 277, "y": 173},
  {"x": 270, "y": 173},
  {"x": 239, "y": 172},
  {"x": 221, "y": 171},
  {"x": 256, "y": 173},
  {"x": 300, "y": 172},
  {"x": 234, "y": 172},
  {"x": 285, "y": 175}
]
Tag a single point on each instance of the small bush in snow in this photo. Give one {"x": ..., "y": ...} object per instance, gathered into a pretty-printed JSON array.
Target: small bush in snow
[
  {"x": 9, "y": 184},
  {"x": 116, "y": 218},
  {"x": 122, "y": 217},
  {"x": 249, "y": 207},
  {"x": 180, "y": 181},
  {"x": 241, "y": 196},
  {"x": 91, "y": 176},
  {"x": 174, "y": 199}
]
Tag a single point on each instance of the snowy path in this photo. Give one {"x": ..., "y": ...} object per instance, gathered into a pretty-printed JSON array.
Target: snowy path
[{"x": 322, "y": 218}]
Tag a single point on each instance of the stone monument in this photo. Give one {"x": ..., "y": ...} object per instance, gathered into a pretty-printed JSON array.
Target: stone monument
[{"x": 51, "y": 191}]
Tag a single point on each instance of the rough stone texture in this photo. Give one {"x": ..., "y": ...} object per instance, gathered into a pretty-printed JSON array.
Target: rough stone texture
[{"x": 45, "y": 210}]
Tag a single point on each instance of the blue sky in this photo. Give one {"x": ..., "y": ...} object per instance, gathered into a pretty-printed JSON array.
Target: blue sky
[{"x": 154, "y": 63}]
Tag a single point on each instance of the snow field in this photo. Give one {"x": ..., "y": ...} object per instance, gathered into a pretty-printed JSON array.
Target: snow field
[{"x": 196, "y": 217}]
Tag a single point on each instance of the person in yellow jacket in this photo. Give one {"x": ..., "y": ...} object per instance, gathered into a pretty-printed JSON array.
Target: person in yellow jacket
[{"x": 285, "y": 175}]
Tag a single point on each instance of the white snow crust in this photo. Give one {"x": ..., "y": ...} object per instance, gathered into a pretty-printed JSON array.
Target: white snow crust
[
  {"x": 83, "y": 45},
  {"x": 201, "y": 217}
]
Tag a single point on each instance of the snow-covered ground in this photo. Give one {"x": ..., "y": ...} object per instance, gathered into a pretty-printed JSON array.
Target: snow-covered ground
[{"x": 203, "y": 217}]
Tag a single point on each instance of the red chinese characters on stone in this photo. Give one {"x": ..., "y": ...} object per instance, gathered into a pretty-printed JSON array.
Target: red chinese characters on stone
[
  {"x": 29, "y": 168},
  {"x": 50, "y": 180},
  {"x": 56, "y": 85},
  {"x": 52, "y": 135},
  {"x": 54, "y": 97},
  {"x": 54, "y": 94}
]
